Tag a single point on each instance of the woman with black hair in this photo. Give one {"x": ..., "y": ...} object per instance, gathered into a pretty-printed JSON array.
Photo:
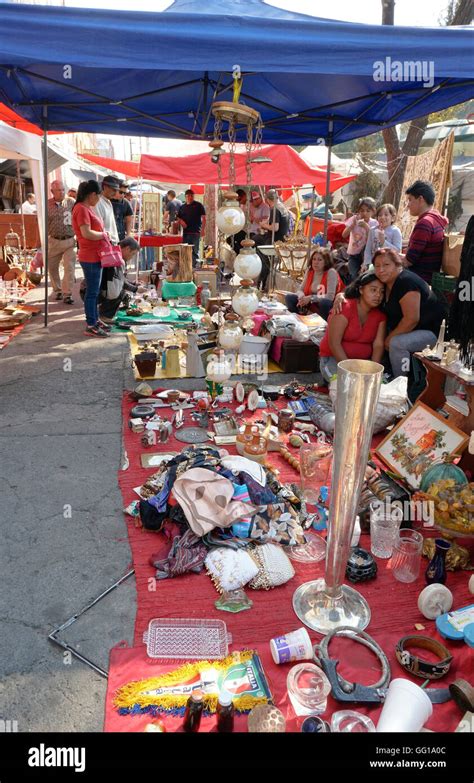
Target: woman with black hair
[
  {"x": 358, "y": 330},
  {"x": 90, "y": 234}
]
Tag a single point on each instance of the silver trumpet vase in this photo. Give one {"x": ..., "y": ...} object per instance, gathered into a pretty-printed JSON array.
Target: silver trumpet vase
[{"x": 326, "y": 604}]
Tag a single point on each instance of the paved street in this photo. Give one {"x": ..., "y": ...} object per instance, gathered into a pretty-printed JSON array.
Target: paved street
[{"x": 63, "y": 531}]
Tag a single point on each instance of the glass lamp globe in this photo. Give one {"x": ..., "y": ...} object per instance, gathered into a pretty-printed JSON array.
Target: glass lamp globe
[
  {"x": 219, "y": 367},
  {"x": 230, "y": 218},
  {"x": 245, "y": 300},
  {"x": 248, "y": 264},
  {"x": 230, "y": 333}
]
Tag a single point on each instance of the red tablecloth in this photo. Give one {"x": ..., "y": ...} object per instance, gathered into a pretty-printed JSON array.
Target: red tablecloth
[
  {"x": 393, "y": 606},
  {"x": 159, "y": 240}
]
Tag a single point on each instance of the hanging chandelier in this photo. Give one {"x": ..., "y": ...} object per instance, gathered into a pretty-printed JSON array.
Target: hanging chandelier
[{"x": 230, "y": 119}]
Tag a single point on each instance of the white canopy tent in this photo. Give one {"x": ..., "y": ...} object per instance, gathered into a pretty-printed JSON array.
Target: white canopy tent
[{"x": 19, "y": 145}]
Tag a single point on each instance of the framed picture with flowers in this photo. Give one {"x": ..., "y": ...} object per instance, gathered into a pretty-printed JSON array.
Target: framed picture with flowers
[{"x": 419, "y": 439}]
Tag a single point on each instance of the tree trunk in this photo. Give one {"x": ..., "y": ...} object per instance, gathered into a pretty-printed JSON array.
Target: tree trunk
[{"x": 396, "y": 155}]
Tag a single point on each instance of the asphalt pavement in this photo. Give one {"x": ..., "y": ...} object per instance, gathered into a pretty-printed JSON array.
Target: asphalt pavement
[{"x": 64, "y": 539}]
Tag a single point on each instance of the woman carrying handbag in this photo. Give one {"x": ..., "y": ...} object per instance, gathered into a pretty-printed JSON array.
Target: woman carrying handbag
[{"x": 93, "y": 242}]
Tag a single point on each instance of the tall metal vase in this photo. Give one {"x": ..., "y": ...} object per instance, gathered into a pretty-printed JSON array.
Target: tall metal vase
[{"x": 326, "y": 604}]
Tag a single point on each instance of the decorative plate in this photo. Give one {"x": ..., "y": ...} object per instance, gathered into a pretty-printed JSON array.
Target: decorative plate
[
  {"x": 191, "y": 435},
  {"x": 253, "y": 400},
  {"x": 239, "y": 392}
]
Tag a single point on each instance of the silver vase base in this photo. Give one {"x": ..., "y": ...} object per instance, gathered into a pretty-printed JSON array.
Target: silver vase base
[{"x": 322, "y": 613}]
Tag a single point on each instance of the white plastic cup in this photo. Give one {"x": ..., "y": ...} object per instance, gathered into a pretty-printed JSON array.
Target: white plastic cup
[
  {"x": 407, "y": 707},
  {"x": 292, "y": 646}
]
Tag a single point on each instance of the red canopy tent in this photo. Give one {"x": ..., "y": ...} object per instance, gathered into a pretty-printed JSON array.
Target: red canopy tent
[{"x": 286, "y": 168}]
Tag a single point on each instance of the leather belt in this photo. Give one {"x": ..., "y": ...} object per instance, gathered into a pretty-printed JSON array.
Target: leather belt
[
  {"x": 427, "y": 670},
  {"x": 61, "y": 239}
]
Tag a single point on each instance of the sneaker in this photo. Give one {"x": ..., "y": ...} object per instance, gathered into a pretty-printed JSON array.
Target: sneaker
[
  {"x": 104, "y": 326},
  {"x": 68, "y": 300},
  {"x": 58, "y": 295},
  {"x": 95, "y": 331}
]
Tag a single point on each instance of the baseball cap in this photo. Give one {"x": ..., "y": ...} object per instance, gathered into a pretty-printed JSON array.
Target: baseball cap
[
  {"x": 255, "y": 194},
  {"x": 112, "y": 182}
]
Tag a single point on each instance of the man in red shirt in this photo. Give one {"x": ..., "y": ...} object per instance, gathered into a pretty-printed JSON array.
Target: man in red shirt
[{"x": 425, "y": 247}]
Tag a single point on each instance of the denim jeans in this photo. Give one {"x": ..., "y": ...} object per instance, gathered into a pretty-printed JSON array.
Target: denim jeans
[
  {"x": 355, "y": 263},
  {"x": 194, "y": 240},
  {"x": 92, "y": 276},
  {"x": 403, "y": 345},
  {"x": 327, "y": 367},
  {"x": 322, "y": 306}
]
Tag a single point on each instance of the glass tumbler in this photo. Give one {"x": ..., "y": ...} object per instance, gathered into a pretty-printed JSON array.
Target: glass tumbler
[
  {"x": 384, "y": 527},
  {"x": 315, "y": 468},
  {"x": 406, "y": 557}
]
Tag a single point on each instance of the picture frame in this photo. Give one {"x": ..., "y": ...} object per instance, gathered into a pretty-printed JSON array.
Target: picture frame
[{"x": 420, "y": 438}]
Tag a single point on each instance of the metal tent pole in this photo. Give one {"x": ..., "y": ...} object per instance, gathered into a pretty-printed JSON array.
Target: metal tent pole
[
  {"x": 45, "y": 211},
  {"x": 328, "y": 180},
  {"x": 310, "y": 233},
  {"x": 140, "y": 203}
]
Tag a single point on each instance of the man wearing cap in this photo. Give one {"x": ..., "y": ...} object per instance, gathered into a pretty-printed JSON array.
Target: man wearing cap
[
  {"x": 104, "y": 209},
  {"x": 123, "y": 211},
  {"x": 192, "y": 217},
  {"x": 61, "y": 242},
  {"x": 259, "y": 213}
]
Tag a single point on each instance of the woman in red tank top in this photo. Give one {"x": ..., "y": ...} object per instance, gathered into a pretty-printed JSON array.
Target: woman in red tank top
[{"x": 358, "y": 331}]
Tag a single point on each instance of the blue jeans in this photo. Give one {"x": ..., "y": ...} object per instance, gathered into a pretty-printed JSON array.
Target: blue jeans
[
  {"x": 322, "y": 306},
  {"x": 403, "y": 345},
  {"x": 355, "y": 263},
  {"x": 194, "y": 240},
  {"x": 92, "y": 276},
  {"x": 327, "y": 367}
]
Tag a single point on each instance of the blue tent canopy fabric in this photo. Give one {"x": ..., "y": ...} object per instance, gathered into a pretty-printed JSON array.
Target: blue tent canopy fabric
[{"x": 156, "y": 74}]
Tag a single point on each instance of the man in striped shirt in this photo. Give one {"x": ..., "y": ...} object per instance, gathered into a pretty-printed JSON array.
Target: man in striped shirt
[{"x": 425, "y": 247}]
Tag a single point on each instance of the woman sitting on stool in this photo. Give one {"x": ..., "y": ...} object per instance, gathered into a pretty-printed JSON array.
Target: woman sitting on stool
[
  {"x": 358, "y": 330},
  {"x": 319, "y": 286}
]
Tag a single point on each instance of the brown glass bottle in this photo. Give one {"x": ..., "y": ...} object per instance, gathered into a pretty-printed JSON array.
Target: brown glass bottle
[
  {"x": 194, "y": 710},
  {"x": 225, "y": 712}
]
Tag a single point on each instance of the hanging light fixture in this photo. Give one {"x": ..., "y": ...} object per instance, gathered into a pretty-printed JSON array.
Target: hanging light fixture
[
  {"x": 248, "y": 263},
  {"x": 230, "y": 218}
]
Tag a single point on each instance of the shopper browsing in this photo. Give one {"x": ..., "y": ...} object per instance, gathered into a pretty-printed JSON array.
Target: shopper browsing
[
  {"x": 192, "y": 217},
  {"x": 61, "y": 242},
  {"x": 90, "y": 235},
  {"x": 104, "y": 208}
]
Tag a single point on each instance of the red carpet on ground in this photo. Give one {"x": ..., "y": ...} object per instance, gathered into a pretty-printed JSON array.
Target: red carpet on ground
[{"x": 393, "y": 605}]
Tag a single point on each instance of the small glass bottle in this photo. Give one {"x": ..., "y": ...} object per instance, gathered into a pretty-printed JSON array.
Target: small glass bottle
[
  {"x": 286, "y": 419},
  {"x": 193, "y": 714},
  {"x": 436, "y": 571},
  {"x": 205, "y": 294},
  {"x": 225, "y": 712}
]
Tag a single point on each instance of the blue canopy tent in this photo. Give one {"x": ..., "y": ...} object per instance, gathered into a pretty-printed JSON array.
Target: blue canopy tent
[{"x": 156, "y": 74}]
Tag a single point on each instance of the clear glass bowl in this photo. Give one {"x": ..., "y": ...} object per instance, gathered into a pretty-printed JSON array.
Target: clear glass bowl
[{"x": 309, "y": 686}]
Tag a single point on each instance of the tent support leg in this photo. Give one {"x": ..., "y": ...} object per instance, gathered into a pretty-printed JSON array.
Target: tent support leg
[
  {"x": 328, "y": 180},
  {"x": 45, "y": 209},
  {"x": 310, "y": 233}
]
